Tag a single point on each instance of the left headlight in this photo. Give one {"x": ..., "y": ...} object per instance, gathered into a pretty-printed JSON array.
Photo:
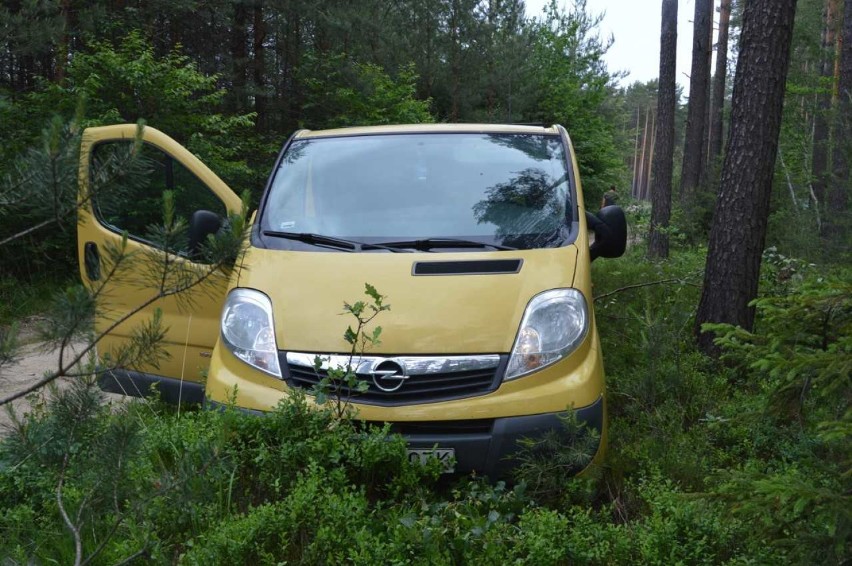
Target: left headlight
[
  {"x": 248, "y": 332},
  {"x": 554, "y": 324}
]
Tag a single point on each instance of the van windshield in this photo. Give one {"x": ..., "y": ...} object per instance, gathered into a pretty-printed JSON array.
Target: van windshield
[{"x": 510, "y": 190}]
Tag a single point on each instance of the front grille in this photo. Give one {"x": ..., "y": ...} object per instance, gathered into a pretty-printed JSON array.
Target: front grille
[{"x": 420, "y": 388}]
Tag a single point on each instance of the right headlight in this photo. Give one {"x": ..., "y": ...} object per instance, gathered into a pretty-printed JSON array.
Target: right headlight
[
  {"x": 554, "y": 324},
  {"x": 248, "y": 332}
]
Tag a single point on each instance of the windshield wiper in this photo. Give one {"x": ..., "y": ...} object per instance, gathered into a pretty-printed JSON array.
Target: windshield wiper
[
  {"x": 427, "y": 244},
  {"x": 331, "y": 241}
]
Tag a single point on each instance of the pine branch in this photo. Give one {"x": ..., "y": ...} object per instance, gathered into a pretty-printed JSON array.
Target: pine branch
[
  {"x": 649, "y": 284},
  {"x": 59, "y": 187},
  {"x": 65, "y": 368},
  {"x": 75, "y": 530},
  {"x": 29, "y": 230}
]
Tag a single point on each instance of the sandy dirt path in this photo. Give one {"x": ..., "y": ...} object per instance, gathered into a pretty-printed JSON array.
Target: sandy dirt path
[{"x": 33, "y": 362}]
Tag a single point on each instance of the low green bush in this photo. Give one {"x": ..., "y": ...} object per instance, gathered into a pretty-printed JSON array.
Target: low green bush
[{"x": 742, "y": 461}]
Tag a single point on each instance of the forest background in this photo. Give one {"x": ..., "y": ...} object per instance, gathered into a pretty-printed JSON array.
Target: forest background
[{"x": 743, "y": 459}]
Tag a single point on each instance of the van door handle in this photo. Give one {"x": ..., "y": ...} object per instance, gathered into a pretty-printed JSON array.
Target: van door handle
[{"x": 92, "y": 260}]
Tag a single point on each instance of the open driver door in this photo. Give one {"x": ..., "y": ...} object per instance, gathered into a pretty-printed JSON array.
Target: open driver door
[{"x": 141, "y": 284}]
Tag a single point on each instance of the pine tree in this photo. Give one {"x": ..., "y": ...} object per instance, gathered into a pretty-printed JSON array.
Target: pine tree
[
  {"x": 661, "y": 192},
  {"x": 699, "y": 80},
  {"x": 742, "y": 209},
  {"x": 719, "y": 81}
]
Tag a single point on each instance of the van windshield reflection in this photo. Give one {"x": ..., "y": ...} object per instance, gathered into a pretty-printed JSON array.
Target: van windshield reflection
[{"x": 495, "y": 191}]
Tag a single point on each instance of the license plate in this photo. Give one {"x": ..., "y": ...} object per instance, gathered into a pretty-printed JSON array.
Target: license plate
[{"x": 447, "y": 457}]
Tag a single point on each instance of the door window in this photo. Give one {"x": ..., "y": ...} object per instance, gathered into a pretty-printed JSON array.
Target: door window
[{"x": 128, "y": 184}]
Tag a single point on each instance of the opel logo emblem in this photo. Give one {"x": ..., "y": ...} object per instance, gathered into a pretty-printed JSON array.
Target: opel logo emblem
[{"x": 389, "y": 375}]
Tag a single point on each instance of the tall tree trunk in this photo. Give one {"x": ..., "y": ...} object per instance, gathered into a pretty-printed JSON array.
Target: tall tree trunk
[
  {"x": 635, "y": 155},
  {"x": 239, "y": 58},
  {"x": 455, "y": 63},
  {"x": 661, "y": 189},
  {"x": 62, "y": 45},
  {"x": 259, "y": 65},
  {"x": 646, "y": 182},
  {"x": 708, "y": 109},
  {"x": 739, "y": 223},
  {"x": 838, "y": 193},
  {"x": 819, "y": 158},
  {"x": 693, "y": 156},
  {"x": 718, "y": 98},
  {"x": 641, "y": 175}
]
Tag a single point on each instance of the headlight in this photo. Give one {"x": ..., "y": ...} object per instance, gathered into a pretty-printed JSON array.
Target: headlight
[
  {"x": 554, "y": 324},
  {"x": 248, "y": 332}
]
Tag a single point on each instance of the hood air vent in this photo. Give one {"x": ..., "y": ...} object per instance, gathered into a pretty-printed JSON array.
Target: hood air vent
[{"x": 475, "y": 267}]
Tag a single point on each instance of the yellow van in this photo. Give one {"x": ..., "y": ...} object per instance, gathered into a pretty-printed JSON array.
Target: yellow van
[{"x": 475, "y": 233}]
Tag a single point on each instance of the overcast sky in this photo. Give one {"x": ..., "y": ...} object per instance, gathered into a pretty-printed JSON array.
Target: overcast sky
[{"x": 635, "y": 26}]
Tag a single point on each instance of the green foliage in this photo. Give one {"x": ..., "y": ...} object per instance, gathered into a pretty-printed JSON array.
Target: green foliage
[
  {"x": 704, "y": 465},
  {"x": 573, "y": 88},
  {"x": 230, "y": 148},
  {"x": 38, "y": 198},
  {"x": 802, "y": 348},
  {"x": 337, "y": 385},
  {"x": 193, "y": 480},
  {"x": 753, "y": 455},
  {"x": 801, "y": 356},
  {"x": 547, "y": 465},
  {"x": 128, "y": 82},
  {"x": 746, "y": 462},
  {"x": 342, "y": 92},
  {"x": 18, "y": 302}
]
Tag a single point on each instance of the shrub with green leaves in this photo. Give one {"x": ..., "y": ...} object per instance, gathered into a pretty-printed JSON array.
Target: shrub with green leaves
[
  {"x": 740, "y": 462},
  {"x": 796, "y": 490},
  {"x": 344, "y": 92}
]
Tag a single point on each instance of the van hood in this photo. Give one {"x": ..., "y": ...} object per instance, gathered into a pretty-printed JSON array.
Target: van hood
[{"x": 461, "y": 312}]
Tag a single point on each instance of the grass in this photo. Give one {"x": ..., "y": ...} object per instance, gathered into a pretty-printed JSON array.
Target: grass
[{"x": 22, "y": 299}]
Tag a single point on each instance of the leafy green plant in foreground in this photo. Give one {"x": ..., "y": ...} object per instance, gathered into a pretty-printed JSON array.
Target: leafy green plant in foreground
[
  {"x": 337, "y": 385},
  {"x": 708, "y": 463}
]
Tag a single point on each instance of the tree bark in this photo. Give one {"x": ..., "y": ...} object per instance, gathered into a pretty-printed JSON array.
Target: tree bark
[
  {"x": 708, "y": 108},
  {"x": 61, "y": 58},
  {"x": 718, "y": 98},
  {"x": 739, "y": 223},
  {"x": 837, "y": 201},
  {"x": 635, "y": 155},
  {"x": 239, "y": 39},
  {"x": 693, "y": 156},
  {"x": 819, "y": 157},
  {"x": 646, "y": 183},
  {"x": 661, "y": 187},
  {"x": 637, "y": 191}
]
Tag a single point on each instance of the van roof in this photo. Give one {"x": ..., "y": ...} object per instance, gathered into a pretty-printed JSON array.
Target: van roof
[{"x": 429, "y": 128}]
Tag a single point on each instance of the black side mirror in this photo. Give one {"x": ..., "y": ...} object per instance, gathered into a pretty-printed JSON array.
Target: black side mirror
[
  {"x": 202, "y": 224},
  {"x": 610, "y": 228}
]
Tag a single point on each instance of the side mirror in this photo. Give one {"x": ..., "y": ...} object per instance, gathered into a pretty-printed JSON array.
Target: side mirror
[
  {"x": 202, "y": 224},
  {"x": 610, "y": 228}
]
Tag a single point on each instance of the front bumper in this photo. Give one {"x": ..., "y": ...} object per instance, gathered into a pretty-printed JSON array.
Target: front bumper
[
  {"x": 492, "y": 453},
  {"x": 489, "y": 447}
]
